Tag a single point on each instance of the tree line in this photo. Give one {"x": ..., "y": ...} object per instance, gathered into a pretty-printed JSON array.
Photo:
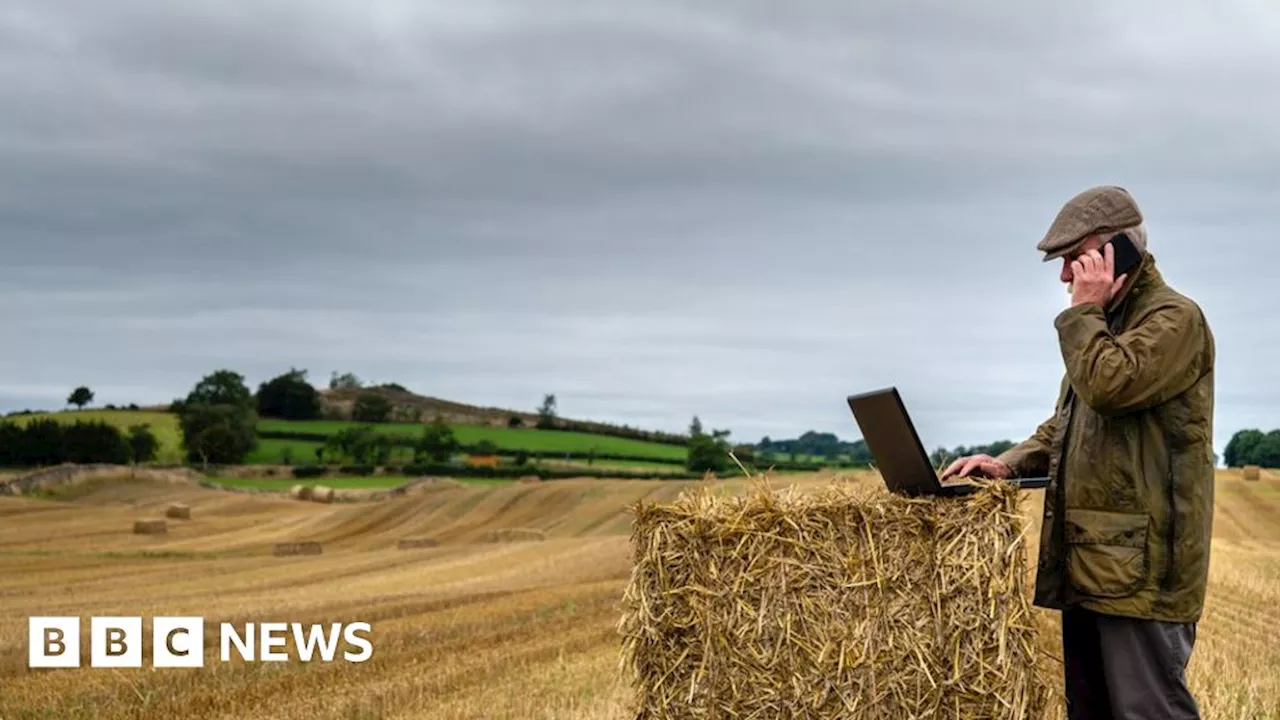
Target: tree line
[
  {"x": 1253, "y": 447},
  {"x": 218, "y": 422},
  {"x": 44, "y": 442}
]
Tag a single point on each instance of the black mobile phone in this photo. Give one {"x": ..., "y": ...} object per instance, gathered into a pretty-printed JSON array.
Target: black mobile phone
[{"x": 1127, "y": 254}]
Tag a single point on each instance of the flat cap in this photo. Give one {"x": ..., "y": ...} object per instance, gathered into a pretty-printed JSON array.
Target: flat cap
[{"x": 1103, "y": 208}]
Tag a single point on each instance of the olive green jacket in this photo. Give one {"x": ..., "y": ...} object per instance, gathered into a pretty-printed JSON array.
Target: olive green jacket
[{"x": 1129, "y": 454}]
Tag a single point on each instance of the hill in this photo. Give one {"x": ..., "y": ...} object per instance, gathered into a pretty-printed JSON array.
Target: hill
[
  {"x": 409, "y": 405},
  {"x": 339, "y": 402}
]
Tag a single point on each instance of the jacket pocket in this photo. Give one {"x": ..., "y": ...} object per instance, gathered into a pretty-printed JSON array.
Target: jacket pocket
[{"x": 1106, "y": 552}]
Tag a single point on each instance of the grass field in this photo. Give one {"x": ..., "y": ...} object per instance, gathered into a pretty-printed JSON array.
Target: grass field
[
  {"x": 164, "y": 425},
  {"x": 464, "y": 630},
  {"x": 270, "y": 451},
  {"x": 529, "y": 439}
]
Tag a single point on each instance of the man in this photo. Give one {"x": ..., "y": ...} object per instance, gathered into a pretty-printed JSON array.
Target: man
[{"x": 1124, "y": 549}]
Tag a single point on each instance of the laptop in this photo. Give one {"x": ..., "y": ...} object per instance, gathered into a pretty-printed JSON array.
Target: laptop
[{"x": 900, "y": 457}]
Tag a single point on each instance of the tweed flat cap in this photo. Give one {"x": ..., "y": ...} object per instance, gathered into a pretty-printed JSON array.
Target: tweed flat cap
[{"x": 1099, "y": 209}]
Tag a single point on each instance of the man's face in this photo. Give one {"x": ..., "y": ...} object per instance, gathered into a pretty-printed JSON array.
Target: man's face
[{"x": 1093, "y": 242}]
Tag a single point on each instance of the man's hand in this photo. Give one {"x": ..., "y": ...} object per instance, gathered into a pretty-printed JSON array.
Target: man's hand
[
  {"x": 1092, "y": 278},
  {"x": 984, "y": 465}
]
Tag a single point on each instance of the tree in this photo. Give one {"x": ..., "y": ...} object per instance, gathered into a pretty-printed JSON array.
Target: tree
[
  {"x": 695, "y": 427},
  {"x": 708, "y": 452},
  {"x": 437, "y": 443},
  {"x": 515, "y": 421},
  {"x": 345, "y": 381},
  {"x": 94, "y": 442},
  {"x": 1240, "y": 448},
  {"x": 363, "y": 444},
  {"x": 1267, "y": 452},
  {"x": 289, "y": 396},
  {"x": 371, "y": 408},
  {"x": 547, "y": 412},
  {"x": 218, "y": 420},
  {"x": 142, "y": 444},
  {"x": 223, "y": 387},
  {"x": 80, "y": 397},
  {"x": 485, "y": 448}
]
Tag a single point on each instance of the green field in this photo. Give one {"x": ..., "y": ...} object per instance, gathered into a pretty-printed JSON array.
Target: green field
[
  {"x": 269, "y": 452},
  {"x": 528, "y": 439},
  {"x": 164, "y": 425},
  {"x": 508, "y": 440}
]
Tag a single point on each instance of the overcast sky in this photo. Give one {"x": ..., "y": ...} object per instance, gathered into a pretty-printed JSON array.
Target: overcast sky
[{"x": 745, "y": 210}]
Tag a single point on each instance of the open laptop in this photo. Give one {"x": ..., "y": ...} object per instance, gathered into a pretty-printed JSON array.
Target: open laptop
[{"x": 900, "y": 457}]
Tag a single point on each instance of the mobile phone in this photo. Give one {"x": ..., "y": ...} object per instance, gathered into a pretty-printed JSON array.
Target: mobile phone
[{"x": 1127, "y": 255}]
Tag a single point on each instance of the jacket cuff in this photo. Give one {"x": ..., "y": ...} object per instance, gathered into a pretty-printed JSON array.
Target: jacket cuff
[{"x": 1076, "y": 324}]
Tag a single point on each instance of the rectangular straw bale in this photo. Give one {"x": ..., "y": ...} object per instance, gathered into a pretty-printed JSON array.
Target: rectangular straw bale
[
  {"x": 844, "y": 603},
  {"x": 309, "y": 547},
  {"x": 505, "y": 535},
  {"x": 1252, "y": 472},
  {"x": 415, "y": 543},
  {"x": 178, "y": 511},
  {"x": 150, "y": 527}
]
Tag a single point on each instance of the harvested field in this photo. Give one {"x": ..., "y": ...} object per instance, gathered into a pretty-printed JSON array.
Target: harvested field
[{"x": 463, "y": 630}]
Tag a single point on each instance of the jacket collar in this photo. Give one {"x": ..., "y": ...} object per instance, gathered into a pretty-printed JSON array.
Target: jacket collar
[{"x": 1141, "y": 281}]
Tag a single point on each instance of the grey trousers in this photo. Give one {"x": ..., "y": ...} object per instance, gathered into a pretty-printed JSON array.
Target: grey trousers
[{"x": 1125, "y": 669}]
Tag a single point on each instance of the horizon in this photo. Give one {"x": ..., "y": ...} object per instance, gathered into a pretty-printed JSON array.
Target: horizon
[{"x": 652, "y": 212}]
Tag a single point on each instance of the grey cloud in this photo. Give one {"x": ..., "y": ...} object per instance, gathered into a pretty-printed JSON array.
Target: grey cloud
[{"x": 652, "y": 209}]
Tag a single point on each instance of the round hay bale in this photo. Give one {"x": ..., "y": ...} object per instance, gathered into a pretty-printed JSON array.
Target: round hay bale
[
  {"x": 178, "y": 511},
  {"x": 322, "y": 494},
  {"x": 300, "y": 492},
  {"x": 150, "y": 527},
  {"x": 1252, "y": 472}
]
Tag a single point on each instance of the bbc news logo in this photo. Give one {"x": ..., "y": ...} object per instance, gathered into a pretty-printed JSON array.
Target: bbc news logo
[{"x": 178, "y": 642}]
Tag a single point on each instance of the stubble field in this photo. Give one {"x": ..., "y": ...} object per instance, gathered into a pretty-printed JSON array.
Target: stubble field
[{"x": 467, "y": 629}]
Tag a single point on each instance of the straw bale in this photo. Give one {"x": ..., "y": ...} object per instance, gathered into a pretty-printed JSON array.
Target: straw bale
[
  {"x": 298, "y": 548},
  {"x": 846, "y": 603},
  {"x": 150, "y": 527},
  {"x": 178, "y": 511},
  {"x": 529, "y": 479},
  {"x": 1252, "y": 472},
  {"x": 514, "y": 535},
  {"x": 322, "y": 494},
  {"x": 300, "y": 492},
  {"x": 416, "y": 543}
]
